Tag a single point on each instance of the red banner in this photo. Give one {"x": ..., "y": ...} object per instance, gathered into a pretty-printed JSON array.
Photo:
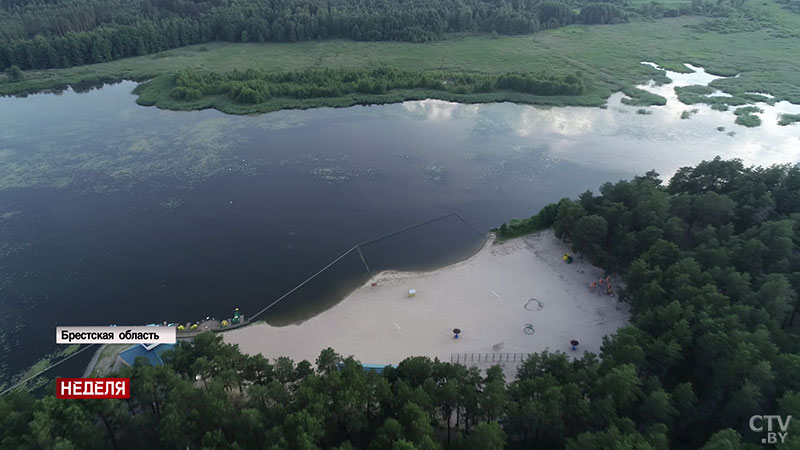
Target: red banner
[{"x": 93, "y": 387}]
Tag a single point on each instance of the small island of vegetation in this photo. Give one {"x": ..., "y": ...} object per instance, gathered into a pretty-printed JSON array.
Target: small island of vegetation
[
  {"x": 746, "y": 116},
  {"x": 788, "y": 119},
  {"x": 259, "y": 91}
]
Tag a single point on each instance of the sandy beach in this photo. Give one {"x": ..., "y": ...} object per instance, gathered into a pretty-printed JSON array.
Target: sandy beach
[{"x": 491, "y": 297}]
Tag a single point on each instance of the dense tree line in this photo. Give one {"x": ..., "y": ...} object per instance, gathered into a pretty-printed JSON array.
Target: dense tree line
[
  {"x": 711, "y": 8},
  {"x": 516, "y": 227},
  {"x": 711, "y": 262},
  {"x": 601, "y": 13},
  {"x": 40, "y": 34},
  {"x": 257, "y": 86},
  {"x": 44, "y": 34},
  {"x": 712, "y": 270}
]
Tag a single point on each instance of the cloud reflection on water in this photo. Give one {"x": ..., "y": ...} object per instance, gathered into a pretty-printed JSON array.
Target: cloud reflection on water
[
  {"x": 621, "y": 138},
  {"x": 438, "y": 110}
]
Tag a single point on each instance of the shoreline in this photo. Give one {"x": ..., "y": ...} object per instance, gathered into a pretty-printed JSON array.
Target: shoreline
[
  {"x": 492, "y": 296},
  {"x": 93, "y": 362},
  {"x": 96, "y": 364},
  {"x": 161, "y": 101},
  {"x": 344, "y": 293}
]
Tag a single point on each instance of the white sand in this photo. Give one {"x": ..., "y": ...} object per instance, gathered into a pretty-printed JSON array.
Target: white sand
[{"x": 485, "y": 296}]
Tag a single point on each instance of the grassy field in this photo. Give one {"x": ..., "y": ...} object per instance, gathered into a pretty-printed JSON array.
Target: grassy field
[{"x": 608, "y": 55}]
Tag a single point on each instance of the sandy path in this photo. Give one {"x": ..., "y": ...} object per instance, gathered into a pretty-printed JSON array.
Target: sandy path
[{"x": 485, "y": 296}]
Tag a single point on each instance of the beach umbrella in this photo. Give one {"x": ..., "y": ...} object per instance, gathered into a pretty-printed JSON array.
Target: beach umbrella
[{"x": 456, "y": 332}]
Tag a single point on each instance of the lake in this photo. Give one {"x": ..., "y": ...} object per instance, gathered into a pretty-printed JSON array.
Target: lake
[{"x": 113, "y": 213}]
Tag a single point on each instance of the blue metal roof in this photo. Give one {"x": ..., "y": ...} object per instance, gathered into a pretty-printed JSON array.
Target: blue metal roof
[
  {"x": 153, "y": 355},
  {"x": 369, "y": 367},
  {"x": 377, "y": 367}
]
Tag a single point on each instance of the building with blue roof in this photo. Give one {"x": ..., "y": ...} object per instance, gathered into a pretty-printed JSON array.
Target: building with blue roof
[
  {"x": 152, "y": 352},
  {"x": 370, "y": 367},
  {"x": 377, "y": 367}
]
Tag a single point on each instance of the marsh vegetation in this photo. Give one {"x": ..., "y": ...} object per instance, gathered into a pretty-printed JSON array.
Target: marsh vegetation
[{"x": 260, "y": 91}]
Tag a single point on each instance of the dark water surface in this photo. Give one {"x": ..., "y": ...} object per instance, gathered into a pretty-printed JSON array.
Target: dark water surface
[{"x": 112, "y": 213}]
